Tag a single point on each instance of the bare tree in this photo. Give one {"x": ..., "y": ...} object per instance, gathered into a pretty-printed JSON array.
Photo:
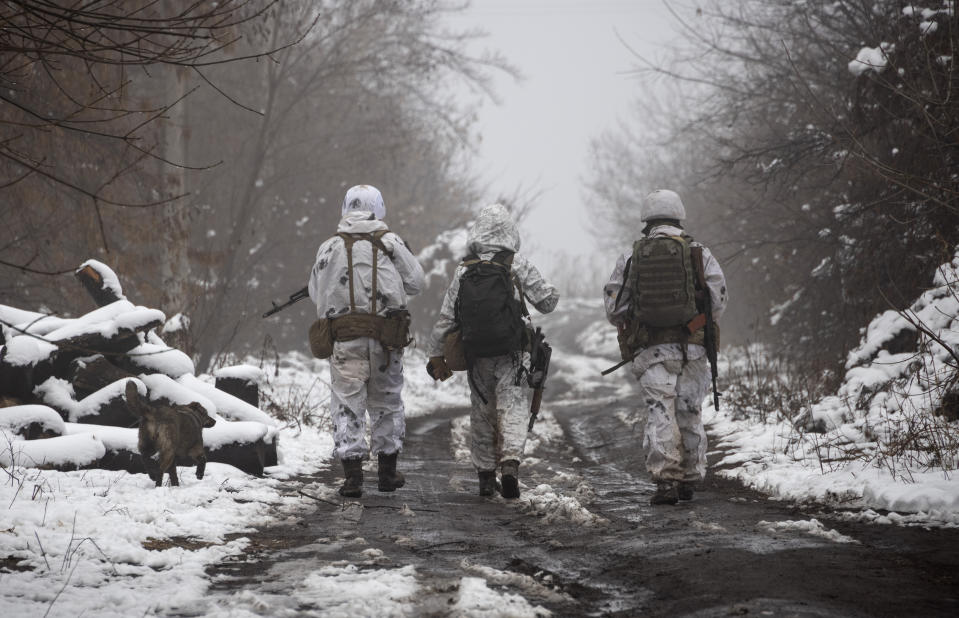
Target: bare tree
[
  {"x": 364, "y": 98},
  {"x": 93, "y": 149}
]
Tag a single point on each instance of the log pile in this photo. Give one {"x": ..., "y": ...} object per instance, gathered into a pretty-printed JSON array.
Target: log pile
[{"x": 63, "y": 380}]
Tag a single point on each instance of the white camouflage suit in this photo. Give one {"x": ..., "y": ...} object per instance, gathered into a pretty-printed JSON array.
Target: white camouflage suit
[
  {"x": 498, "y": 426},
  {"x": 675, "y": 440},
  {"x": 363, "y": 375}
]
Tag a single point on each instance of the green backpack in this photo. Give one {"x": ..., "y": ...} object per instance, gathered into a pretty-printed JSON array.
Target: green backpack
[{"x": 662, "y": 281}]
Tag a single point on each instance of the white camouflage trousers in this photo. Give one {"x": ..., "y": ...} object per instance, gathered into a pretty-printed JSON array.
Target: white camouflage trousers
[
  {"x": 366, "y": 378},
  {"x": 498, "y": 426},
  {"x": 675, "y": 440}
]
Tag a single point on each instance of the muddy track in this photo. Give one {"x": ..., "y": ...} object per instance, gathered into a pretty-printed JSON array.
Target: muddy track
[{"x": 606, "y": 552}]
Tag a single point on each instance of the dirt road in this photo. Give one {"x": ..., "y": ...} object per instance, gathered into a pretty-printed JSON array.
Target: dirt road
[{"x": 583, "y": 540}]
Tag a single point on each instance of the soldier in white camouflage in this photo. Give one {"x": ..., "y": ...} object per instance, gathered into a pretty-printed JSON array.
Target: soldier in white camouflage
[
  {"x": 366, "y": 376},
  {"x": 498, "y": 392},
  {"x": 669, "y": 360}
]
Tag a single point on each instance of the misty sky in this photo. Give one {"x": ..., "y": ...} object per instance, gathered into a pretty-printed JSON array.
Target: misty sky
[{"x": 575, "y": 85}]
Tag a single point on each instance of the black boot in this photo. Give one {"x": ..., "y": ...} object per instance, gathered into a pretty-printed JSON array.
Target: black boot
[
  {"x": 510, "y": 481},
  {"x": 686, "y": 490},
  {"x": 389, "y": 478},
  {"x": 487, "y": 482},
  {"x": 667, "y": 492},
  {"x": 353, "y": 485}
]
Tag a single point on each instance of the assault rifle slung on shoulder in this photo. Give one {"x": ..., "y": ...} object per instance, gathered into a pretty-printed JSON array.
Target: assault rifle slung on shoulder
[
  {"x": 710, "y": 336},
  {"x": 539, "y": 355},
  {"x": 294, "y": 297}
]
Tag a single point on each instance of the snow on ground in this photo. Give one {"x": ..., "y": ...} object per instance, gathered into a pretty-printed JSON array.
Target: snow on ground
[
  {"x": 477, "y": 600},
  {"x": 520, "y": 581},
  {"x": 108, "y": 543},
  {"x": 812, "y": 527},
  {"x": 877, "y": 444},
  {"x": 776, "y": 459},
  {"x": 93, "y": 539}
]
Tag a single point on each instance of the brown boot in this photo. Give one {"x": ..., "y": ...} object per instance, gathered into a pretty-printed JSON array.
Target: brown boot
[
  {"x": 353, "y": 485},
  {"x": 509, "y": 479},
  {"x": 667, "y": 492},
  {"x": 487, "y": 482},
  {"x": 389, "y": 478}
]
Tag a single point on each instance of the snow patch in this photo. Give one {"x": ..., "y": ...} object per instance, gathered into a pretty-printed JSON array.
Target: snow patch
[
  {"x": 812, "y": 527},
  {"x": 477, "y": 600}
]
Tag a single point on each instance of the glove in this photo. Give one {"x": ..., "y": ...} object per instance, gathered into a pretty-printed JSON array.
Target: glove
[{"x": 437, "y": 368}]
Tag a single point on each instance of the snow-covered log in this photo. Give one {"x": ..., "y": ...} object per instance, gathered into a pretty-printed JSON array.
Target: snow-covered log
[
  {"x": 155, "y": 356},
  {"x": 31, "y": 422},
  {"x": 90, "y": 374},
  {"x": 247, "y": 445},
  {"x": 60, "y": 453},
  {"x": 30, "y": 359},
  {"x": 241, "y": 381},
  {"x": 79, "y": 368},
  {"x": 107, "y": 406},
  {"x": 100, "y": 282}
]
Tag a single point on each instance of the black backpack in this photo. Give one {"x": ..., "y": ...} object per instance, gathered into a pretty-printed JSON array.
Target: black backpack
[{"x": 489, "y": 314}]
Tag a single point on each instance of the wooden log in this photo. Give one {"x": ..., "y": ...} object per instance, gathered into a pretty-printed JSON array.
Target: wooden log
[
  {"x": 240, "y": 388},
  {"x": 94, "y": 283},
  {"x": 16, "y": 381},
  {"x": 32, "y": 422},
  {"x": 89, "y": 376},
  {"x": 249, "y": 457},
  {"x": 107, "y": 406},
  {"x": 19, "y": 380}
]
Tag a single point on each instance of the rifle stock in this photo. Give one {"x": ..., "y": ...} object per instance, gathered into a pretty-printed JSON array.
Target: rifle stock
[{"x": 534, "y": 407}]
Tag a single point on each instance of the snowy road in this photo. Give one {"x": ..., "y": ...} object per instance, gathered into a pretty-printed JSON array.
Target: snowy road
[{"x": 581, "y": 541}]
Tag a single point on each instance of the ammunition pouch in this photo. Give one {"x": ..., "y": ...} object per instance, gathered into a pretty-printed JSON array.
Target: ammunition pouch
[
  {"x": 634, "y": 338},
  {"x": 453, "y": 351},
  {"x": 393, "y": 331},
  {"x": 321, "y": 338}
]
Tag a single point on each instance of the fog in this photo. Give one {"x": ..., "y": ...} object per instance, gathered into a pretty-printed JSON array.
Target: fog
[
  {"x": 577, "y": 80},
  {"x": 202, "y": 155}
]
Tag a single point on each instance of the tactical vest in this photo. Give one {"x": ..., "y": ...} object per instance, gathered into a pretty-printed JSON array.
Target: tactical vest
[
  {"x": 663, "y": 284},
  {"x": 392, "y": 330}
]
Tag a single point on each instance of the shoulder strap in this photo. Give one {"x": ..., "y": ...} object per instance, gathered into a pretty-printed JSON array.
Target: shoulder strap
[
  {"x": 374, "y": 239},
  {"x": 471, "y": 259}
]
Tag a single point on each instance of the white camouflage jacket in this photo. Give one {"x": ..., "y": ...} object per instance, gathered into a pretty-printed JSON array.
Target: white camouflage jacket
[
  {"x": 492, "y": 232},
  {"x": 398, "y": 275}
]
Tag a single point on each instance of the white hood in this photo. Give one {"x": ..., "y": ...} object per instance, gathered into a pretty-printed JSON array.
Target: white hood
[
  {"x": 365, "y": 198},
  {"x": 493, "y": 231}
]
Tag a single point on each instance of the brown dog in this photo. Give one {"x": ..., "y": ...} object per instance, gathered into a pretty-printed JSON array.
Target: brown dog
[{"x": 168, "y": 432}]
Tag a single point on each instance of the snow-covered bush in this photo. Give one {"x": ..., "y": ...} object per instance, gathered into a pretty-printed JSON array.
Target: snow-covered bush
[
  {"x": 895, "y": 409},
  {"x": 757, "y": 383}
]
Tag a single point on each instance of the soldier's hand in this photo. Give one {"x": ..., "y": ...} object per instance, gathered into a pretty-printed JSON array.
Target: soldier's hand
[{"x": 437, "y": 368}]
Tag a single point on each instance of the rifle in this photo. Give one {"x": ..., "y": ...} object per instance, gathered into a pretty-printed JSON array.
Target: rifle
[
  {"x": 711, "y": 340},
  {"x": 539, "y": 356},
  {"x": 294, "y": 297}
]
